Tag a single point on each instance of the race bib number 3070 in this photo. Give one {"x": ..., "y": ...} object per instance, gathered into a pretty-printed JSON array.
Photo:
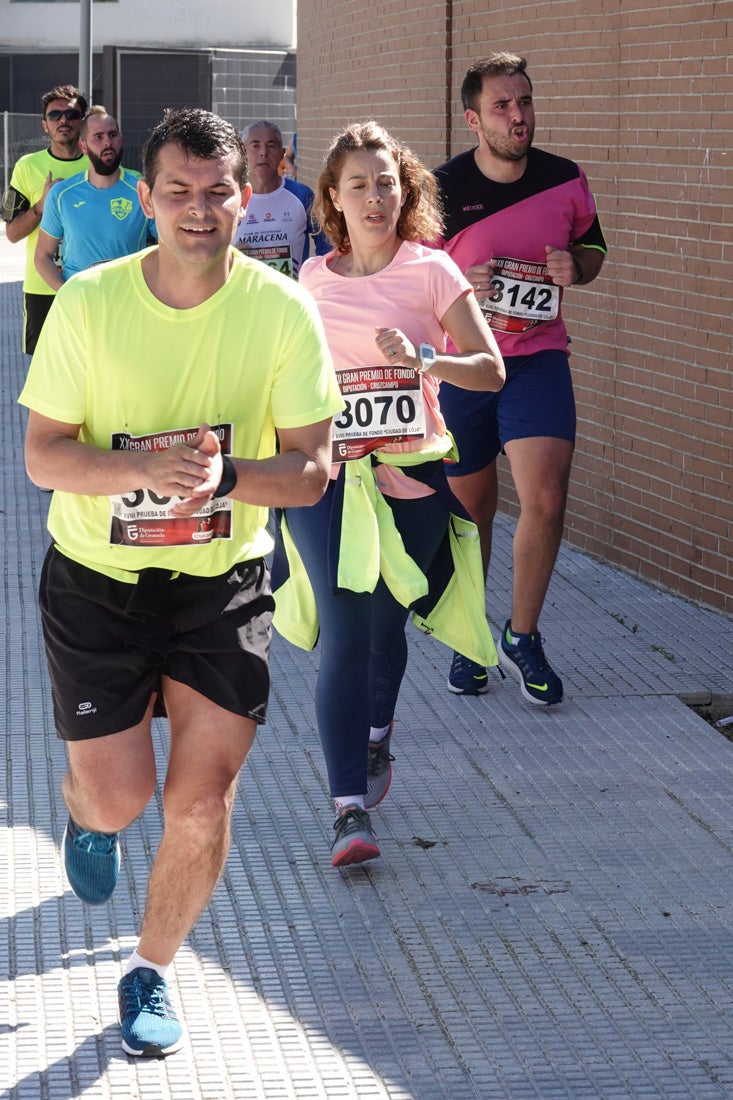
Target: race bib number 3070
[
  {"x": 382, "y": 405},
  {"x": 523, "y": 295},
  {"x": 142, "y": 518}
]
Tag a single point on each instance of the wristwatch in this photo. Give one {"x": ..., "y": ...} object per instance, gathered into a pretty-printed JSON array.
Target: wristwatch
[{"x": 427, "y": 357}]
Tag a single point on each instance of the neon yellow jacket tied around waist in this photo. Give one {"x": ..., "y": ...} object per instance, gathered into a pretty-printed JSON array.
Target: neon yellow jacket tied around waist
[{"x": 447, "y": 601}]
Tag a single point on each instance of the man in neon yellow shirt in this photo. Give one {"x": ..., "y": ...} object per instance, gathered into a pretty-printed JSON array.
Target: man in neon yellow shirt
[
  {"x": 175, "y": 395},
  {"x": 33, "y": 177}
]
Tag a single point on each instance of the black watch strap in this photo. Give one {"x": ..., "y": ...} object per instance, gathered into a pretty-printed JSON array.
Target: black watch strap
[{"x": 228, "y": 478}]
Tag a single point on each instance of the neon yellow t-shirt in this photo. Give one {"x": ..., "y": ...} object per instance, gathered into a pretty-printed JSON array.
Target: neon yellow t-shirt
[
  {"x": 135, "y": 373},
  {"x": 28, "y": 179}
]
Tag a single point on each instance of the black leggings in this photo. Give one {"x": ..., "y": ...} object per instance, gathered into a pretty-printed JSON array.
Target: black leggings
[{"x": 362, "y": 639}]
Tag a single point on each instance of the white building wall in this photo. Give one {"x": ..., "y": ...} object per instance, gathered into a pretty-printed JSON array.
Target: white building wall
[{"x": 54, "y": 24}]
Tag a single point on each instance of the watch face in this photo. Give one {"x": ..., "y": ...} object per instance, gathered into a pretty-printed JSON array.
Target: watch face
[{"x": 427, "y": 357}]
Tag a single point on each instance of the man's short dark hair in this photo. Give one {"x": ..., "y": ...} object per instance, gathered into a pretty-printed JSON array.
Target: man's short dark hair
[
  {"x": 64, "y": 91},
  {"x": 198, "y": 133},
  {"x": 496, "y": 64}
]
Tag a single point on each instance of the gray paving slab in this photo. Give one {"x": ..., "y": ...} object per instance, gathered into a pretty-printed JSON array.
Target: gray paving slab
[{"x": 552, "y": 915}]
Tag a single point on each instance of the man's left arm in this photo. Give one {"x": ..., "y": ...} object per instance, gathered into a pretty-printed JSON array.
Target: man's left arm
[
  {"x": 578, "y": 262},
  {"x": 574, "y": 266},
  {"x": 295, "y": 477},
  {"x": 587, "y": 262}
]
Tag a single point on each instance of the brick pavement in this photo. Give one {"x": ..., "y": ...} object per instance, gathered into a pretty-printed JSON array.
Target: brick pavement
[{"x": 552, "y": 916}]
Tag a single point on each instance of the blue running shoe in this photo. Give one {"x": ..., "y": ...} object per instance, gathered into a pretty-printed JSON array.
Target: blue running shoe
[
  {"x": 150, "y": 1027},
  {"x": 92, "y": 863},
  {"x": 466, "y": 677},
  {"x": 522, "y": 655}
]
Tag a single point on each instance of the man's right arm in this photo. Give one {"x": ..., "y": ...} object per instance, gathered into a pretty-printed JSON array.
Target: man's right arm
[
  {"x": 44, "y": 259},
  {"x": 56, "y": 458},
  {"x": 22, "y": 216}
]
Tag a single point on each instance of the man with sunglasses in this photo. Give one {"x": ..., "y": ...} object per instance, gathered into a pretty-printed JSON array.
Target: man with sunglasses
[{"x": 33, "y": 176}]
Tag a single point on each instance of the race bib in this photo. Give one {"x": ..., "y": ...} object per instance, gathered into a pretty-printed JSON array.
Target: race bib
[
  {"x": 142, "y": 518},
  {"x": 383, "y": 405},
  {"x": 523, "y": 295},
  {"x": 274, "y": 255}
]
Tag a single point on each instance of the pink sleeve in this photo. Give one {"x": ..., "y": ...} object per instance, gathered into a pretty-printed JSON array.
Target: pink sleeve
[{"x": 448, "y": 283}]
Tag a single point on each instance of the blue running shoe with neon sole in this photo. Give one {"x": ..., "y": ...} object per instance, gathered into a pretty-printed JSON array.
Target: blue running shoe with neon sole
[
  {"x": 523, "y": 657},
  {"x": 466, "y": 677}
]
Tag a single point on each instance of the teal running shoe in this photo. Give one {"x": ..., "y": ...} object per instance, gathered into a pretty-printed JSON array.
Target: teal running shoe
[
  {"x": 92, "y": 862},
  {"x": 150, "y": 1027}
]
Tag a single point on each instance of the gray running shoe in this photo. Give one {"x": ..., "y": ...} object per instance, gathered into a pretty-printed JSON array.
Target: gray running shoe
[
  {"x": 379, "y": 770},
  {"x": 354, "y": 841}
]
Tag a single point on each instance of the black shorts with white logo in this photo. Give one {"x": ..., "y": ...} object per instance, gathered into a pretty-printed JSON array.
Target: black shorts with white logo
[{"x": 108, "y": 643}]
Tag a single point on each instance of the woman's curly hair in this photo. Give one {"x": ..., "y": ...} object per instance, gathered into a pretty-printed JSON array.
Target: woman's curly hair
[{"x": 420, "y": 219}]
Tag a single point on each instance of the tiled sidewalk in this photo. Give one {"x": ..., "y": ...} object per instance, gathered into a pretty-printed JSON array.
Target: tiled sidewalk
[{"x": 552, "y": 916}]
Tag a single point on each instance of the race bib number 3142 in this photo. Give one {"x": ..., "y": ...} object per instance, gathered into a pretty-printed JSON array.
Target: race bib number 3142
[
  {"x": 522, "y": 295},
  {"x": 142, "y": 518}
]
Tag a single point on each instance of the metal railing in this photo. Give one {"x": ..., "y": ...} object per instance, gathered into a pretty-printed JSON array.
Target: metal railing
[{"x": 21, "y": 133}]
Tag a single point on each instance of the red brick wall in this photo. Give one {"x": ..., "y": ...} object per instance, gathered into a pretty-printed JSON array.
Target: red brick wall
[{"x": 642, "y": 96}]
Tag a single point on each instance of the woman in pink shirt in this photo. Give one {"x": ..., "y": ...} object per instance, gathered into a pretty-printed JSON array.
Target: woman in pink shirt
[{"x": 387, "y": 304}]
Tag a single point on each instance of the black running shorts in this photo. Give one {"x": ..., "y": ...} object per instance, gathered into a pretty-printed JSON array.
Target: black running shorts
[
  {"x": 108, "y": 643},
  {"x": 35, "y": 311}
]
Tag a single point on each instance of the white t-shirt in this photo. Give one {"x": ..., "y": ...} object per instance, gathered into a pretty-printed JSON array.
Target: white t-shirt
[{"x": 276, "y": 228}]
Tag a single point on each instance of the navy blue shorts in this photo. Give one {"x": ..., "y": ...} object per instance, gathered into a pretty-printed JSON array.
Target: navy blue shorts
[
  {"x": 536, "y": 400},
  {"x": 108, "y": 643}
]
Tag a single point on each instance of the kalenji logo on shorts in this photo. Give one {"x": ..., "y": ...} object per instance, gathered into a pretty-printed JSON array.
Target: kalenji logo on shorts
[{"x": 85, "y": 708}]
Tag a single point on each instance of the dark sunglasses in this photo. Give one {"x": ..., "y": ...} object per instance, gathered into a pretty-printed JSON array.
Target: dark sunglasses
[{"x": 73, "y": 114}]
